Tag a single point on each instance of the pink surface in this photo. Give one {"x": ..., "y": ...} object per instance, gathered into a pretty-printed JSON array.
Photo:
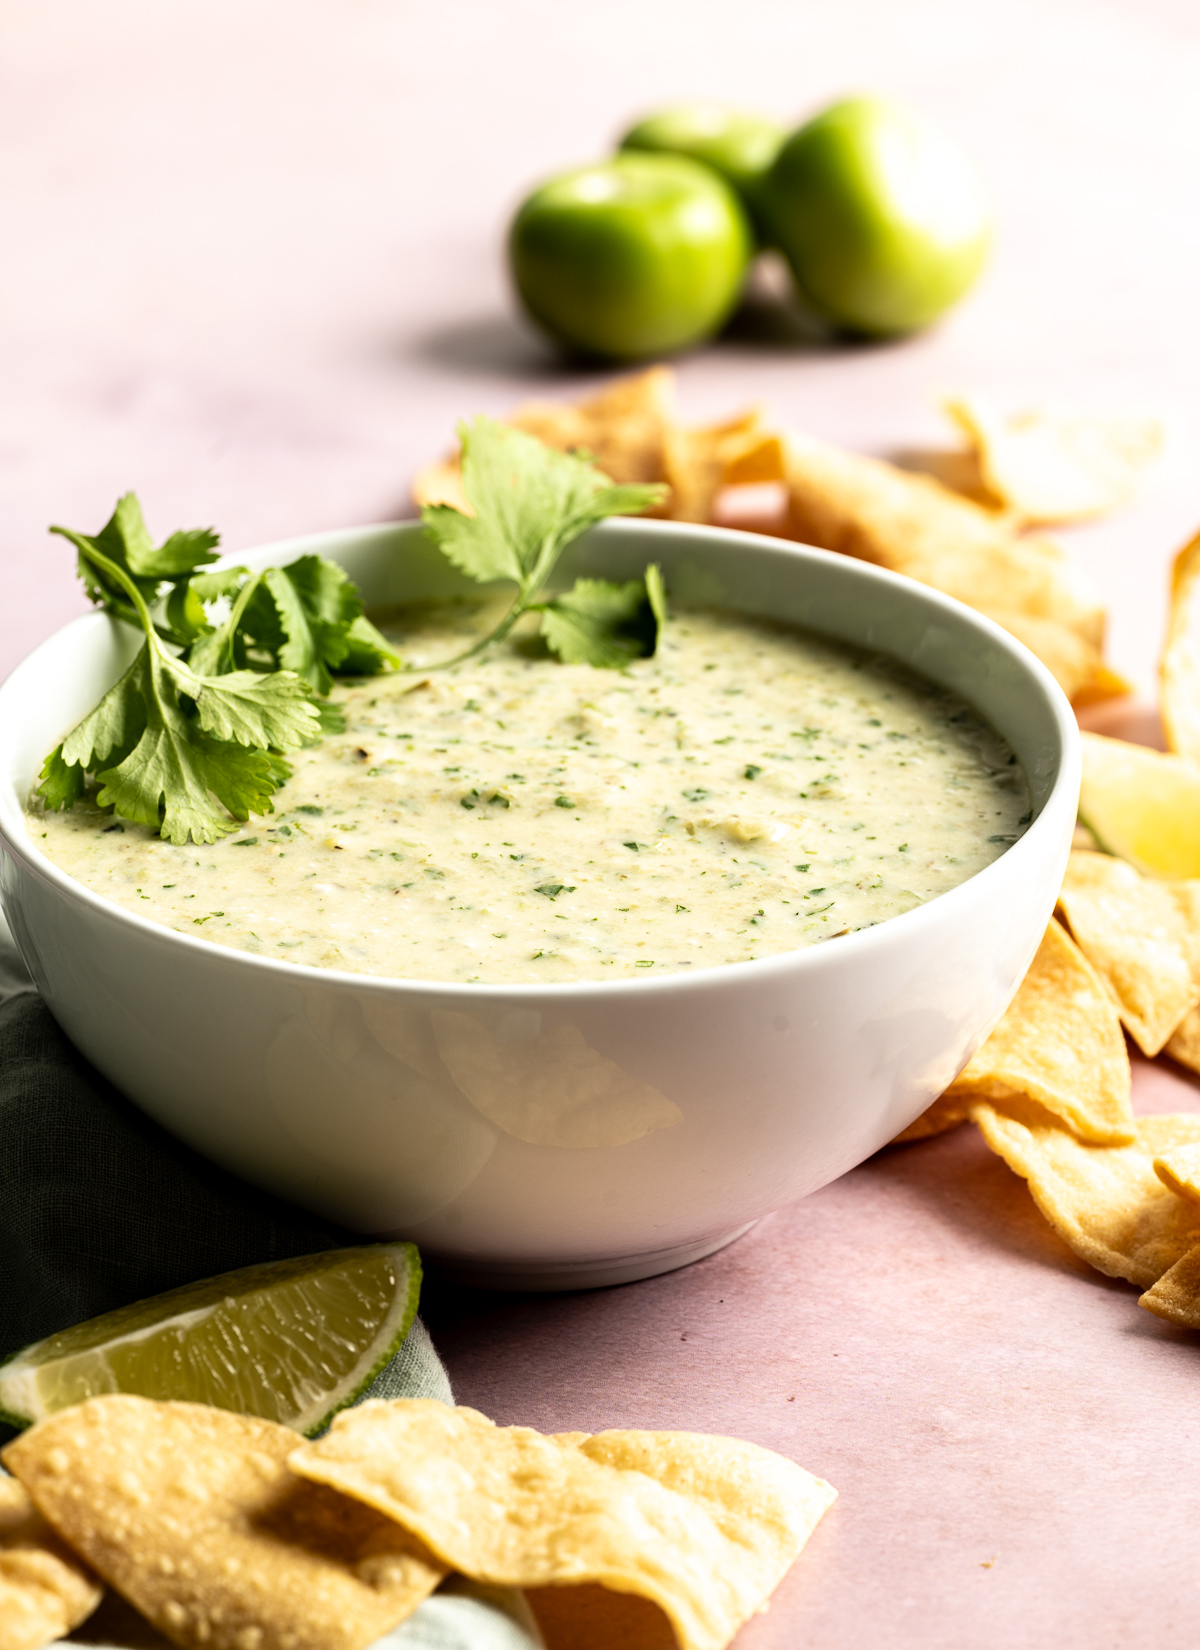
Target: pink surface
[{"x": 250, "y": 267}]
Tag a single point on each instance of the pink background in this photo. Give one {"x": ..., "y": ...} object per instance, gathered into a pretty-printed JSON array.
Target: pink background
[{"x": 249, "y": 266}]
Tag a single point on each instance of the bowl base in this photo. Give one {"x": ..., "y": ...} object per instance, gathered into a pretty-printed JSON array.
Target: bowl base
[{"x": 547, "y": 1276}]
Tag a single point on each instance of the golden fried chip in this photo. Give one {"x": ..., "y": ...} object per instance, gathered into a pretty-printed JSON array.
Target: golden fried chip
[
  {"x": 1105, "y": 1202},
  {"x": 1176, "y": 1295},
  {"x": 761, "y": 460},
  {"x": 1058, "y": 466},
  {"x": 44, "y": 1589},
  {"x": 1074, "y": 663},
  {"x": 1179, "y": 1170},
  {"x": 698, "y": 461},
  {"x": 911, "y": 524},
  {"x": 590, "y": 1617},
  {"x": 703, "y": 1528},
  {"x": 1139, "y": 936},
  {"x": 632, "y": 431},
  {"x": 1184, "y": 1042},
  {"x": 192, "y": 1514},
  {"x": 1179, "y": 671},
  {"x": 624, "y": 428},
  {"x": 441, "y": 483},
  {"x": 946, "y": 1112},
  {"x": 1105, "y": 684},
  {"x": 1060, "y": 1044}
]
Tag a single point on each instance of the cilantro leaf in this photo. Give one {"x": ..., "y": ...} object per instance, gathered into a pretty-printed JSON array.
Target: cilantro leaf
[
  {"x": 247, "y": 707},
  {"x": 601, "y": 624},
  {"x": 61, "y": 782},
  {"x": 306, "y": 617},
  {"x": 125, "y": 543},
  {"x": 367, "y": 650},
  {"x": 529, "y": 502},
  {"x": 172, "y": 748}
]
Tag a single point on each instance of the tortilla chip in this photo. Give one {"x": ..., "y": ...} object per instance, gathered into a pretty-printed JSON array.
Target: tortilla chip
[
  {"x": 441, "y": 483},
  {"x": 912, "y": 525},
  {"x": 1179, "y": 1170},
  {"x": 1176, "y": 1295},
  {"x": 192, "y": 1514},
  {"x": 1105, "y": 684},
  {"x": 624, "y": 427},
  {"x": 44, "y": 1589},
  {"x": 1059, "y": 1044},
  {"x": 632, "y": 431},
  {"x": 698, "y": 461},
  {"x": 759, "y": 461},
  {"x": 946, "y": 1112},
  {"x": 1179, "y": 671},
  {"x": 703, "y": 1528},
  {"x": 593, "y": 1618},
  {"x": 1105, "y": 1202},
  {"x": 1138, "y": 935},
  {"x": 1058, "y": 466},
  {"x": 1184, "y": 1042},
  {"x": 1075, "y": 664}
]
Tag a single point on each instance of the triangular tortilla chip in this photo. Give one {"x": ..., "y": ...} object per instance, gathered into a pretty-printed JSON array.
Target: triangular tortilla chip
[
  {"x": 1049, "y": 466},
  {"x": 45, "y": 1590},
  {"x": 1059, "y": 1044},
  {"x": 702, "y": 1528},
  {"x": 699, "y": 459},
  {"x": 192, "y": 1514},
  {"x": 632, "y": 431},
  {"x": 1138, "y": 934},
  {"x": 1176, "y": 1295},
  {"x": 625, "y": 429},
  {"x": 912, "y": 525},
  {"x": 1105, "y": 1202}
]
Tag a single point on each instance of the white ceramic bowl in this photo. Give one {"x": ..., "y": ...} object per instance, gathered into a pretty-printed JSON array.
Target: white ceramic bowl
[{"x": 695, "y": 1104}]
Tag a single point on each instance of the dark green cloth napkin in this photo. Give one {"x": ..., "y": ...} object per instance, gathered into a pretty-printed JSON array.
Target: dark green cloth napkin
[{"x": 99, "y": 1206}]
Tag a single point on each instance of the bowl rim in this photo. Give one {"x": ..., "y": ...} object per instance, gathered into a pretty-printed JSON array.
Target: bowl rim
[{"x": 16, "y": 842}]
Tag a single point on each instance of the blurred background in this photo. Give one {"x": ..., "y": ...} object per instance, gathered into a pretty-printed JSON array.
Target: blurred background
[{"x": 251, "y": 250}]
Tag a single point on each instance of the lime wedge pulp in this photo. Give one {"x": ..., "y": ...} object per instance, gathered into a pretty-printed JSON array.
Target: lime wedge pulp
[
  {"x": 1142, "y": 805},
  {"x": 291, "y": 1341}
]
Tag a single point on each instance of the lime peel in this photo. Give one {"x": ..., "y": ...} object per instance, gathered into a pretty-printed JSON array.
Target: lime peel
[{"x": 291, "y": 1341}]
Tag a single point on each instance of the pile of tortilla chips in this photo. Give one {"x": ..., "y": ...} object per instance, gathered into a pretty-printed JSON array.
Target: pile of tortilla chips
[
  {"x": 1050, "y": 1089},
  {"x": 230, "y": 1533},
  {"x": 1038, "y": 468}
]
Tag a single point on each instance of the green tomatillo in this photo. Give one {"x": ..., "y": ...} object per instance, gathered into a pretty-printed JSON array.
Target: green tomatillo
[
  {"x": 633, "y": 257},
  {"x": 734, "y": 142},
  {"x": 883, "y": 218}
]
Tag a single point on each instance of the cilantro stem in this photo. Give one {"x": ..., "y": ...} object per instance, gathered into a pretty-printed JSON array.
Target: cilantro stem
[
  {"x": 140, "y": 611},
  {"x": 524, "y": 603},
  {"x": 230, "y": 627}
]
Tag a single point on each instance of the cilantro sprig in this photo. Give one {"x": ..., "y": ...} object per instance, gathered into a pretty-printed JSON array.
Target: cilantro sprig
[
  {"x": 192, "y": 739},
  {"x": 529, "y": 502},
  {"x": 191, "y": 743}
]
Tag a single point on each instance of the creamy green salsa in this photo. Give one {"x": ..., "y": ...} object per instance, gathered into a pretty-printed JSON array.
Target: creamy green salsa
[{"x": 750, "y": 790}]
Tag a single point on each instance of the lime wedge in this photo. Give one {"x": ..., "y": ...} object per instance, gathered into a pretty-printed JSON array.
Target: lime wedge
[
  {"x": 1142, "y": 805},
  {"x": 291, "y": 1341}
]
